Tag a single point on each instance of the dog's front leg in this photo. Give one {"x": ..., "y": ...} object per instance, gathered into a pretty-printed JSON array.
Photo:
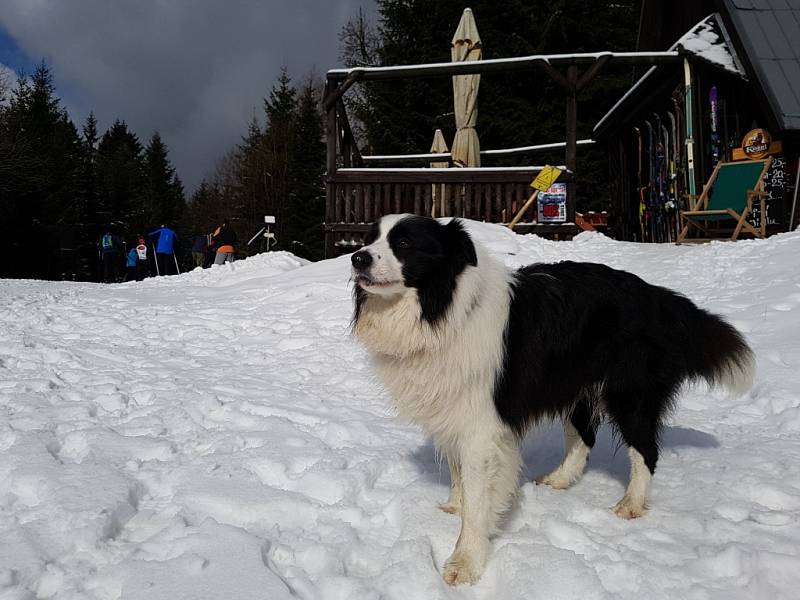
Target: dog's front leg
[{"x": 472, "y": 549}]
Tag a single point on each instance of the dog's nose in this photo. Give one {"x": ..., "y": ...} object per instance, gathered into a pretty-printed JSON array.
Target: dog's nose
[{"x": 361, "y": 259}]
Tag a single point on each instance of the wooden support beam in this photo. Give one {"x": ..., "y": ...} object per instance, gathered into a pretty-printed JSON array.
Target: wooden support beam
[
  {"x": 347, "y": 134},
  {"x": 554, "y": 74},
  {"x": 592, "y": 72},
  {"x": 330, "y": 141},
  {"x": 571, "y": 154},
  {"x": 570, "y": 159},
  {"x": 336, "y": 92}
]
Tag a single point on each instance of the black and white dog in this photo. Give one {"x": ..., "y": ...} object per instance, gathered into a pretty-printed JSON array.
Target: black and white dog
[{"x": 475, "y": 354}]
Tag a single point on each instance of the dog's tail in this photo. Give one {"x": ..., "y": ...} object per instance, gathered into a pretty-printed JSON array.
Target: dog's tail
[{"x": 719, "y": 353}]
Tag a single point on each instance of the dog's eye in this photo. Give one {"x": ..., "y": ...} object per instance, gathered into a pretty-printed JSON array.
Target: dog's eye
[{"x": 404, "y": 243}]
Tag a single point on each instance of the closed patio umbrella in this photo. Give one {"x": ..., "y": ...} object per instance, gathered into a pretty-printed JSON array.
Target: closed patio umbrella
[{"x": 466, "y": 45}]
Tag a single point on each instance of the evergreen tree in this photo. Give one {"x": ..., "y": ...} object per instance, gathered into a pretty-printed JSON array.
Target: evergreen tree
[
  {"x": 279, "y": 137},
  {"x": 87, "y": 227},
  {"x": 88, "y": 177},
  {"x": 275, "y": 170},
  {"x": 217, "y": 199},
  {"x": 120, "y": 174},
  {"x": 163, "y": 199},
  {"x": 40, "y": 154},
  {"x": 306, "y": 212},
  {"x": 205, "y": 209},
  {"x": 59, "y": 189},
  {"x": 251, "y": 198}
]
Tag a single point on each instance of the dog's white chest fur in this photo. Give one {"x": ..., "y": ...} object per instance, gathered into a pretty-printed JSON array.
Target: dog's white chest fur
[{"x": 441, "y": 376}]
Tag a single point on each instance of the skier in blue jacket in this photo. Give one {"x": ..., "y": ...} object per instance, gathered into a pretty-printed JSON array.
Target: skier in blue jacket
[
  {"x": 165, "y": 250},
  {"x": 131, "y": 263}
]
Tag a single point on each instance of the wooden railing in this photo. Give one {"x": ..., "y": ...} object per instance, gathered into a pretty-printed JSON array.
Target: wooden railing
[{"x": 360, "y": 196}]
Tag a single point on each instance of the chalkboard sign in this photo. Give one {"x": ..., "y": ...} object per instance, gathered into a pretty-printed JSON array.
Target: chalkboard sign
[{"x": 776, "y": 184}]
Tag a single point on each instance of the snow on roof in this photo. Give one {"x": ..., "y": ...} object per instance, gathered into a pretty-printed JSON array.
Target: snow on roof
[
  {"x": 701, "y": 41},
  {"x": 704, "y": 42},
  {"x": 585, "y": 58}
]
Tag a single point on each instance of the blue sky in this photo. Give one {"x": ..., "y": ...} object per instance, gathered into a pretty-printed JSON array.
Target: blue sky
[{"x": 10, "y": 54}]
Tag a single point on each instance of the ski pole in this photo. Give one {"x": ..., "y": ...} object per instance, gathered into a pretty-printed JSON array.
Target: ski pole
[
  {"x": 177, "y": 268},
  {"x": 155, "y": 258}
]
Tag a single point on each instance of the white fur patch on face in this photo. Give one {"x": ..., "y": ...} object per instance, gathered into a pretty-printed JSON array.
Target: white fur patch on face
[{"x": 386, "y": 272}]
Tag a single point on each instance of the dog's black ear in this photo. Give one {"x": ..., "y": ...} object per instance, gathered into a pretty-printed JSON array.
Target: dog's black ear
[{"x": 460, "y": 243}]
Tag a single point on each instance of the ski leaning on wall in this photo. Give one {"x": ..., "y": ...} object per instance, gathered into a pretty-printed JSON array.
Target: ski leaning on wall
[
  {"x": 714, "y": 141},
  {"x": 672, "y": 203},
  {"x": 657, "y": 178}
]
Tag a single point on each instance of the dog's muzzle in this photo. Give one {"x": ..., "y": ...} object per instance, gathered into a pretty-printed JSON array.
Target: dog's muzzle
[{"x": 361, "y": 260}]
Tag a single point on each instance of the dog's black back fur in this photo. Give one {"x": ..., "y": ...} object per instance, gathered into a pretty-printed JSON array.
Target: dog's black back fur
[{"x": 580, "y": 334}]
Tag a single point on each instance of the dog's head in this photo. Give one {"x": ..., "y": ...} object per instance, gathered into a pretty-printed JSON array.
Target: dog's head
[{"x": 406, "y": 251}]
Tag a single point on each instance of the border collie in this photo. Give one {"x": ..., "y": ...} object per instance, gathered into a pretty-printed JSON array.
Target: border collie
[{"x": 476, "y": 354}]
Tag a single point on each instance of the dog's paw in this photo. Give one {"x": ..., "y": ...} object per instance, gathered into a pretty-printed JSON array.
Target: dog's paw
[
  {"x": 462, "y": 568},
  {"x": 554, "y": 480},
  {"x": 629, "y": 508},
  {"x": 454, "y": 508}
]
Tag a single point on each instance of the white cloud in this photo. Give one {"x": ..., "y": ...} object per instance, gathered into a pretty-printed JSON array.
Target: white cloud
[
  {"x": 8, "y": 80},
  {"x": 195, "y": 70}
]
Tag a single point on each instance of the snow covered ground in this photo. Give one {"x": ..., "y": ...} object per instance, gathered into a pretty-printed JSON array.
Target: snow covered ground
[{"x": 219, "y": 435}]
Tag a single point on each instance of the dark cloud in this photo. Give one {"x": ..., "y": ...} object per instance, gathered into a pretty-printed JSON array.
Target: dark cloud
[{"x": 195, "y": 70}]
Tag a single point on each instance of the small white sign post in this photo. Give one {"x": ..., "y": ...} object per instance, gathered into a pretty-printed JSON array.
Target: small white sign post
[{"x": 265, "y": 232}]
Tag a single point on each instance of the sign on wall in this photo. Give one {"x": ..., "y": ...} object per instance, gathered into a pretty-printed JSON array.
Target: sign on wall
[
  {"x": 757, "y": 143},
  {"x": 552, "y": 204}
]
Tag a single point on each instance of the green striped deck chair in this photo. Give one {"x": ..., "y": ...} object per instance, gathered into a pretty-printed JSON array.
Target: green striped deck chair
[{"x": 726, "y": 201}]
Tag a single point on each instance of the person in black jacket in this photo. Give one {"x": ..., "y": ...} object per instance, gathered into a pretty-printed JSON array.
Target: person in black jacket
[
  {"x": 224, "y": 238},
  {"x": 199, "y": 248}
]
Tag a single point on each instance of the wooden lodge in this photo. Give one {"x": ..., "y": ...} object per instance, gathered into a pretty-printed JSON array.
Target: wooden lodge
[
  {"x": 739, "y": 80},
  {"x": 359, "y": 189}
]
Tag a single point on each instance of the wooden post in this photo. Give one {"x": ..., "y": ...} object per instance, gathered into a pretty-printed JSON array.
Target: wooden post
[
  {"x": 571, "y": 158},
  {"x": 330, "y": 187}
]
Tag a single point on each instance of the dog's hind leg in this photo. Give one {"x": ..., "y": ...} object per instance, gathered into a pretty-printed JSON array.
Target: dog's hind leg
[
  {"x": 453, "y": 504},
  {"x": 634, "y": 502},
  {"x": 639, "y": 422},
  {"x": 579, "y": 438}
]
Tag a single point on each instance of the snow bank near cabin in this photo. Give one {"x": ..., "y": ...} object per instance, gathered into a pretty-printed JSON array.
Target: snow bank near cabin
[{"x": 218, "y": 435}]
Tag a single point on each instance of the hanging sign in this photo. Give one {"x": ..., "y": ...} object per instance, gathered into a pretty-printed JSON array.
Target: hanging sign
[{"x": 757, "y": 143}]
